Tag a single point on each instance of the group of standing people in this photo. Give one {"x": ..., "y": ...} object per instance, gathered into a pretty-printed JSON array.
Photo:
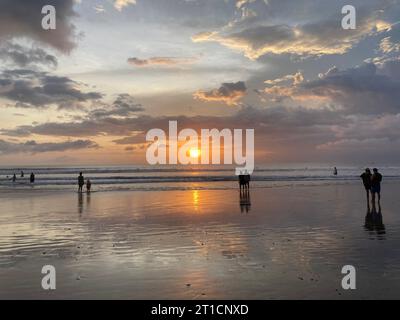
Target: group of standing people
[
  {"x": 244, "y": 181},
  {"x": 372, "y": 184},
  {"x": 81, "y": 183}
]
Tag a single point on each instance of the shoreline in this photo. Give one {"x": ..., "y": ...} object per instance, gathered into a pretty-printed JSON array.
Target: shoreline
[{"x": 187, "y": 186}]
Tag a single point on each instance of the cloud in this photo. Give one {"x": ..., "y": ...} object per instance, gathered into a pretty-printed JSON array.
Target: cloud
[
  {"x": 324, "y": 37},
  {"x": 23, "y": 56},
  {"x": 138, "y": 138},
  {"x": 271, "y": 120},
  {"x": 120, "y": 4},
  {"x": 34, "y": 147},
  {"x": 33, "y": 89},
  {"x": 387, "y": 46},
  {"x": 22, "y": 19},
  {"x": 99, "y": 8},
  {"x": 286, "y": 133},
  {"x": 229, "y": 93},
  {"x": 123, "y": 106},
  {"x": 159, "y": 61},
  {"x": 366, "y": 89},
  {"x": 295, "y": 78}
]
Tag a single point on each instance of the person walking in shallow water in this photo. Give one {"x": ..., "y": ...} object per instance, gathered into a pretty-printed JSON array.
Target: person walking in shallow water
[
  {"x": 81, "y": 182},
  {"x": 32, "y": 178},
  {"x": 366, "y": 178}
]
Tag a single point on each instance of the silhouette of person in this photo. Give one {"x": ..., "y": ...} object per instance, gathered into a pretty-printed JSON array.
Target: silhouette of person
[
  {"x": 88, "y": 186},
  {"x": 22, "y": 174},
  {"x": 244, "y": 180},
  {"x": 14, "y": 178},
  {"x": 247, "y": 180},
  {"x": 241, "y": 180},
  {"x": 81, "y": 182},
  {"x": 366, "y": 179},
  {"x": 335, "y": 172},
  {"x": 32, "y": 178},
  {"x": 376, "y": 180}
]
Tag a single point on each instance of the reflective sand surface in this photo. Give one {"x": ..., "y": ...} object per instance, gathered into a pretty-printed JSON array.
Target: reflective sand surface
[{"x": 288, "y": 242}]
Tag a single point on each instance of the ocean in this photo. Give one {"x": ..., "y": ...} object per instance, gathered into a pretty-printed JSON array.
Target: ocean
[{"x": 160, "y": 178}]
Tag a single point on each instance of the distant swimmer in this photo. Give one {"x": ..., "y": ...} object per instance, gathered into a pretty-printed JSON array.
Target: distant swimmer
[
  {"x": 32, "y": 178},
  {"x": 88, "y": 186},
  {"x": 81, "y": 182},
  {"x": 366, "y": 178},
  {"x": 335, "y": 172}
]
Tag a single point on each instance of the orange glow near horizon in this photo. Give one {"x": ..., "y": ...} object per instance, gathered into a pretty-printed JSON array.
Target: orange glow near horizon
[{"x": 194, "y": 153}]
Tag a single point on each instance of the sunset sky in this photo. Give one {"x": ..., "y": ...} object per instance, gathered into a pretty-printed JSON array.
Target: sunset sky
[{"x": 87, "y": 92}]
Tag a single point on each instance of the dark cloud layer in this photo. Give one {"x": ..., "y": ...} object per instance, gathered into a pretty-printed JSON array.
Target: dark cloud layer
[
  {"x": 22, "y": 19},
  {"x": 265, "y": 121},
  {"x": 123, "y": 106},
  {"x": 35, "y": 147},
  {"x": 32, "y": 89},
  {"x": 229, "y": 93},
  {"x": 367, "y": 89},
  {"x": 24, "y": 56}
]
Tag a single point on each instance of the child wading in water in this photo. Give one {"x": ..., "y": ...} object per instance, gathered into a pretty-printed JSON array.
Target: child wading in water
[{"x": 88, "y": 186}]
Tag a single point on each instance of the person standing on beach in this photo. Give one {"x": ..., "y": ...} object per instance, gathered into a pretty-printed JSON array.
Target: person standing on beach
[
  {"x": 247, "y": 179},
  {"x": 81, "y": 182},
  {"x": 366, "y": 178},
  {"x": 335, "y": 172},
  {"x": 88, "y": 186},
  {"x": 376, "y": 180},
  {"x": 32, "y": 178},
  {"x": 14, "y": 178},
  {"x": 22, "y": 174}
]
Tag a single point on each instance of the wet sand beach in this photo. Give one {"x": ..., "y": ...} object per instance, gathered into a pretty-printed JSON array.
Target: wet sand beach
[{"x": 284, "y": 242}]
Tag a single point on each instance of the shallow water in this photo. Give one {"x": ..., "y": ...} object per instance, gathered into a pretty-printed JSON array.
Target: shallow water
[
  {"x": 161, "y": 178},
  {"x": 288, "y": 242}
]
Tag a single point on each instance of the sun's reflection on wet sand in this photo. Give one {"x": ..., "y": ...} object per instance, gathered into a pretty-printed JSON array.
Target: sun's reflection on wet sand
[{"x": 196, "y": 199}]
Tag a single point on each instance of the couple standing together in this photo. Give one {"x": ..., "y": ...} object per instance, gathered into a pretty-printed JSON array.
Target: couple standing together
[
  {"x": 372, "y": 184},
  {"x": 81, "y": 183}
]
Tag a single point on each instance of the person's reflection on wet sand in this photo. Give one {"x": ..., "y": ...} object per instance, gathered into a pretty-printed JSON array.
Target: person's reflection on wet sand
[
  {"x": 374, "y": 221},
  {"x": 245, "y": 203},
  {"x": 80, "y": 203},
  {"x": 88, "y": 198}
]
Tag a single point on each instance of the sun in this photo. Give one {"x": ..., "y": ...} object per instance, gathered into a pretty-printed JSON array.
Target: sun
[{"x": 194, "y": 153}]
